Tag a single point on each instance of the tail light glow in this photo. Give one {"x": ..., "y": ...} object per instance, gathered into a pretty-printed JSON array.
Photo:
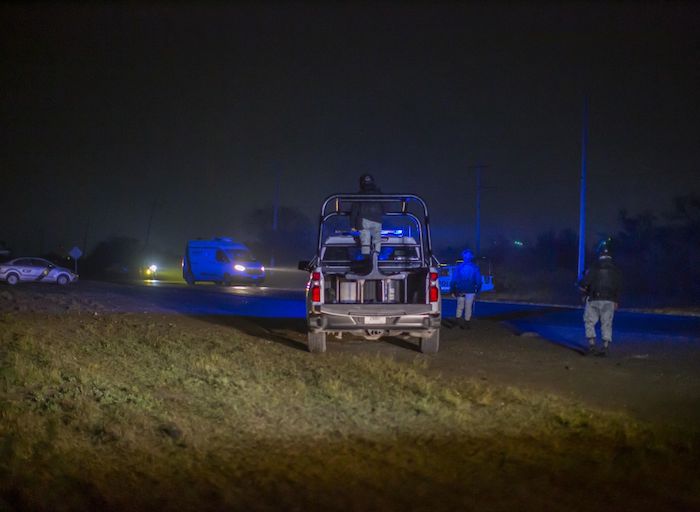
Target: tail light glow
[
  {"x": 434, "y": 294},
  {"x": 315, "y": 287},
  {"x": 433, "y": 291}
]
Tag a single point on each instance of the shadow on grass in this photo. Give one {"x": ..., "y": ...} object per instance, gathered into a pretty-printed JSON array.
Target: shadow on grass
[
  {"x": 402, "y": 343},
  {"x": 289, "y": 332}
]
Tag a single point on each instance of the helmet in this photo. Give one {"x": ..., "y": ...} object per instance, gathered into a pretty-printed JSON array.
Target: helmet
[
  {"x": 366, "y": 181},
  {"x": 467, "y": 255},
  {"x": 603, "y": 249},
  {"x": 604, "y": 252}
]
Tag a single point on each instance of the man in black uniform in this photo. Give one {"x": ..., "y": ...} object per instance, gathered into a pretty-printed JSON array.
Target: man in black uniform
[{"x": 601, "y": 284}]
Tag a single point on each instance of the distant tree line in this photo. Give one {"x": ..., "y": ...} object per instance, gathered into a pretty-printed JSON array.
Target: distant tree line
[{"x": 658, "y": 254}]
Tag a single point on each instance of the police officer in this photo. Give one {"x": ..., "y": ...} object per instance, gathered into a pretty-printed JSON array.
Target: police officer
[
  {"x": 366, "y": 217},
  {"x": 466, "y": 283},
  {"x": 601, "y": 284}
]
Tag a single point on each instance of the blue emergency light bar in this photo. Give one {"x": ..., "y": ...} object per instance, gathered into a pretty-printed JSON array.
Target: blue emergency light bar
[{"x": 392, "y": 232}]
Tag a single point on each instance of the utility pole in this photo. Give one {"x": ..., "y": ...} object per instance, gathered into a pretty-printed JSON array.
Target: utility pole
[
  {"x": 477, "y": 243},
  {"x": 85, "y": 235},
  {"x": 582, "y": 208},
  {"x": 150, "y": 221},
  {"x": 479, "y": 189},
  {"x": 275, "y": 216}
]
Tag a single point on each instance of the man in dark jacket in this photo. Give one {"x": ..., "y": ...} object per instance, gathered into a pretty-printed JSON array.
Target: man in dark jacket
[
  {"x": 366, "y": 217},
  {"x": 466, "y": 283},
  {"x": 601, "y": 284}
]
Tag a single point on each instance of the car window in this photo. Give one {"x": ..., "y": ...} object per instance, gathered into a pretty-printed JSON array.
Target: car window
[
  {"x": 240, "y": 255},
  {"x": 337, "y": 254},
  {"x": 24, "y": 262},
  {"x": 40, "y": 263},
  {"x": 221, "y": 256}
]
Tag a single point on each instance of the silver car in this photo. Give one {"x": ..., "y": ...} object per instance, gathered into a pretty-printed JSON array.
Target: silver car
[{"x": 35, "y": 270}]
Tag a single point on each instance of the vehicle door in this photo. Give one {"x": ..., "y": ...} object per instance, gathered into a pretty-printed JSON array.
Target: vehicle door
[
  {"x": 26, "y": 269},
  {"x": 41, "y": 269},
  {"x": 223, "y": 263}
]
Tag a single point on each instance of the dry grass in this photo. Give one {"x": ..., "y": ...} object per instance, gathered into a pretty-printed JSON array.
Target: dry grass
[{"x": 115, "y": 412}]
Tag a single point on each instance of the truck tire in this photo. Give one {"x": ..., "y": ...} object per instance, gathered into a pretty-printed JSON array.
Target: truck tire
[
  {"x": 317, "y": 342},
  {"x": 430, "y": 344}
]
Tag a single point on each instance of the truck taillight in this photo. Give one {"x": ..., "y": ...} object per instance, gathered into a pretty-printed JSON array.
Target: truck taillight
[
  {"x": 433, "y": 291},
  {"x": 315, "y": 287},
  {"x": 434, "y": 294}
]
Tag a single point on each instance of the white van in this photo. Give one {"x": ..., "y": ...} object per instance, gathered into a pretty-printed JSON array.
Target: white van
[{"x": 221, "y": 261}]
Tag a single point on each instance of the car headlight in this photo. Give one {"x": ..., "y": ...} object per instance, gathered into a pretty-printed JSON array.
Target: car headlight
[{"x": 239, "y": 267}]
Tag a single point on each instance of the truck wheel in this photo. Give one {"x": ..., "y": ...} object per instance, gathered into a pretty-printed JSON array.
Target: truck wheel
[
  {"x": 430, "y": 344},
  {"x": 12, "y": 279},
  {"x": 317, "y": 342}
]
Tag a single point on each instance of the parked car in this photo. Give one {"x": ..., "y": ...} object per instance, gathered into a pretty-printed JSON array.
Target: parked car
[
  {"x": 35, "y": 270},
  {"x": 222, "y": 261},
  {"x": 393, "y": 293}
]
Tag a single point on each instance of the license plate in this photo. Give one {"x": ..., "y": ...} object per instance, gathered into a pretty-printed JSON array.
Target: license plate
[{"x": 375, "y": 319}]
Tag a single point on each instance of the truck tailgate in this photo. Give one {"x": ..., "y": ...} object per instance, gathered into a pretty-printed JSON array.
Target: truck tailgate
[{"x": 376, "y": 309}]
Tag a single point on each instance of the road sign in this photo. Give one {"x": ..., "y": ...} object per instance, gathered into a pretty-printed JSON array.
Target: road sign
[{"x": 75, "y": 253}]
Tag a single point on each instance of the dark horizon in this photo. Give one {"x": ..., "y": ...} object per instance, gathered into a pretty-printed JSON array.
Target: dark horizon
[{"x": 111, "y": 108}]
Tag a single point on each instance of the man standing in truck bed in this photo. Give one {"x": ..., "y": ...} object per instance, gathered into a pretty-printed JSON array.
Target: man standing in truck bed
[{"x": 366, "y": 217}]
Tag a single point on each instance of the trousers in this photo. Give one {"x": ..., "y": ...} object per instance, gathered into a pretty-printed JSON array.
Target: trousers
[
  {"x": 465, "y": 305},
  {"x": 371, "y": 233},
  {"x": 601, "y": 311}
]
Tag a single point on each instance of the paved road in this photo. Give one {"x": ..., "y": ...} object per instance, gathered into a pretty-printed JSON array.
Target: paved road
[{"x": 561, "y": 325}]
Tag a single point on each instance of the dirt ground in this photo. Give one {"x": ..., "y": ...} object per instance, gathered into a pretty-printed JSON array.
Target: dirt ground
[{"x": 657, "y": 383}]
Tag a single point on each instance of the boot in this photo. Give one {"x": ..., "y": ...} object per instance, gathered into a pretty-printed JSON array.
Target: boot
[
  {"x": 604, "y": 351},
  {"x": 591, "y": 347}
]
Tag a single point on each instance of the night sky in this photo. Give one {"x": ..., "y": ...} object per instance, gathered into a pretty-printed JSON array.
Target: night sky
[{"x": 107, "y": 110}]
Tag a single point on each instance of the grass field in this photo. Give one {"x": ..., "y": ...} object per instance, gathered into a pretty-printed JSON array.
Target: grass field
[{"x": 158, "y": 412}]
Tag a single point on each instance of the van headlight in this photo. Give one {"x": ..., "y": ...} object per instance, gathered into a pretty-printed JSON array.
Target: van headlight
[{"x": 239, "y": 267}]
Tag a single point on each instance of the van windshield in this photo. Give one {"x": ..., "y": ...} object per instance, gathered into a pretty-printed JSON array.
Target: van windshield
[{"x": 239, "y": 255}]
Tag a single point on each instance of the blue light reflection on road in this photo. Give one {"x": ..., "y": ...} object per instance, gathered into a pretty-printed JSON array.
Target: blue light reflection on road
[
  {"x": 564, "y": 325},
  {"x": 561, "y": 325}
]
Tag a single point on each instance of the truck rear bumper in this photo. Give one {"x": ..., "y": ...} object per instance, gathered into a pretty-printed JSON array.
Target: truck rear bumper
[{"x": 390, "y": 317}]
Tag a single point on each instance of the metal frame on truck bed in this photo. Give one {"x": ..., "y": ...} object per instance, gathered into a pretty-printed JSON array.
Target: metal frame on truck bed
[{"x": 392, "y": 293}]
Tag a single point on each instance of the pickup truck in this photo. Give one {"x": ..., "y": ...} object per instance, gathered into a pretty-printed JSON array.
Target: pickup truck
[{"x": 393, "y": 292}]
